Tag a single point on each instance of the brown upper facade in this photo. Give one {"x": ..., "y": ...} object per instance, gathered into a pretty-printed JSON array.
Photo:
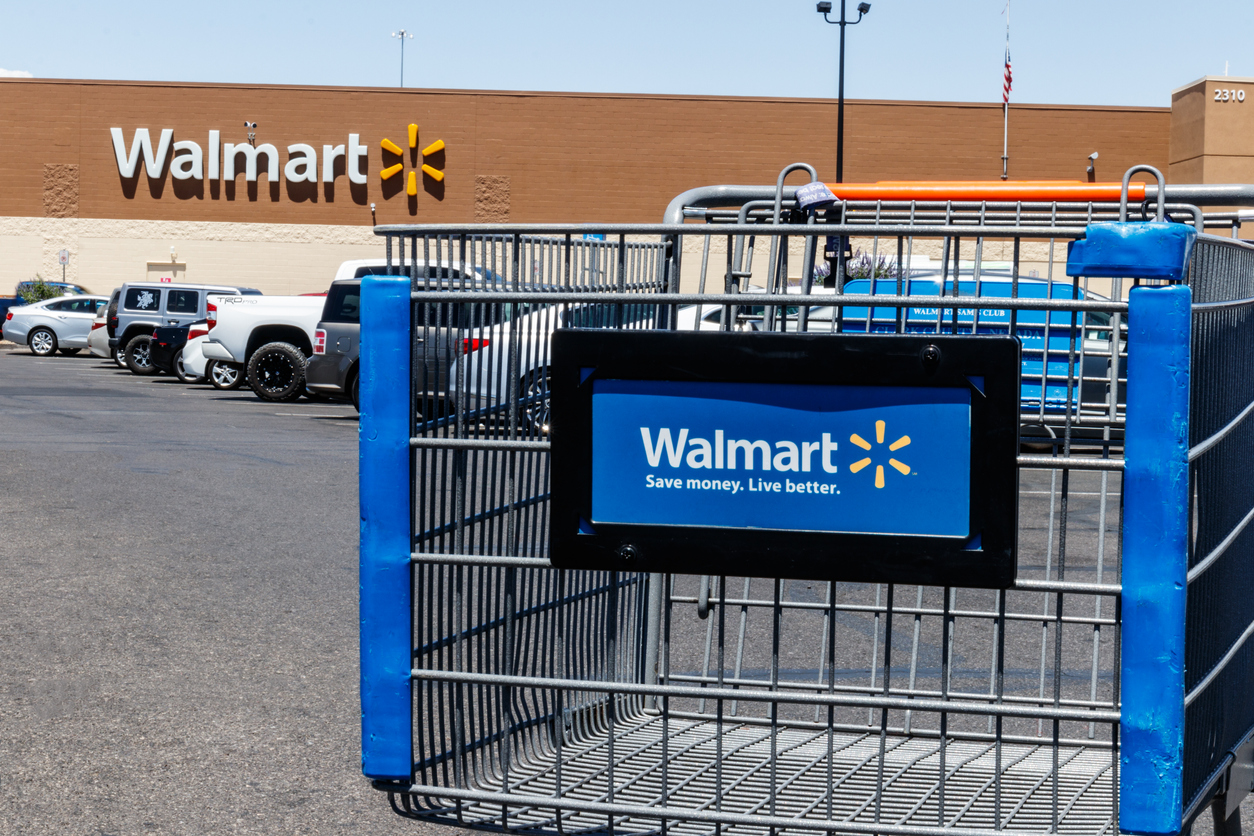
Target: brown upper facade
[
  {"x": 524, "y": 157},
  {"x": 1212, "y": 131}
]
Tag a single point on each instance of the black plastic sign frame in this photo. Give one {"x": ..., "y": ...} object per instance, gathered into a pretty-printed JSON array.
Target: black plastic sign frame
[{"x": 989, "y": 366}]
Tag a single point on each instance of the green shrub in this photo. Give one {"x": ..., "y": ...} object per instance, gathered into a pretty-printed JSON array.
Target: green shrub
[{"x": 37, "y": 290}]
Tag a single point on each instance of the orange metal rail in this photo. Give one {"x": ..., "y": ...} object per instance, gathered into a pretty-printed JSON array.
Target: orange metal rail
[{"x": 1007, "y": 190}]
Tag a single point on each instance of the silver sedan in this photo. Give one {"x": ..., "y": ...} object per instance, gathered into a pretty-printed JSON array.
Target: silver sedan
[{"x": 54, "y": 324}]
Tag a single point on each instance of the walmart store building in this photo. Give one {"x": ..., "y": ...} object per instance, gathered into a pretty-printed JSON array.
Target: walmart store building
[{"x": 146, "y": 180}]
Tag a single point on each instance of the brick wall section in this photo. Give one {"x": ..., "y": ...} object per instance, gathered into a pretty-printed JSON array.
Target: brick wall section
[
  {"x": 60, "y": 190},
  {"x": 491, "y": 199},
  {"x": 567, "y": 157}
]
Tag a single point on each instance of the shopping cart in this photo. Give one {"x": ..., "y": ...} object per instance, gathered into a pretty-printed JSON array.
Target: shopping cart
[{"x": 1107, "y": 690}]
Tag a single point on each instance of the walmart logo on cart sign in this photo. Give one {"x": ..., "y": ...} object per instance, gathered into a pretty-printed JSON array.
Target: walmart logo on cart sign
[
  {"x": 860, "y": 459},
  {"x": 188, "y": 160}
]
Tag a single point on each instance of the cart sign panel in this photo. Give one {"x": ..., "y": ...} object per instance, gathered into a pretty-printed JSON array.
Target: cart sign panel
[
  {"x": 869, "y": 458},
  {"x": 865, "y": 459}
]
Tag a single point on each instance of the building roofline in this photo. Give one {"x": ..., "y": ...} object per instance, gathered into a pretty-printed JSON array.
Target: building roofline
[
  {"x": 1206, "y": 78},
  {"x": 584, "y": 95}
]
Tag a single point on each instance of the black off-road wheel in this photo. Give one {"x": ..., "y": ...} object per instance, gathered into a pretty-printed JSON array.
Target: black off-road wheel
[
  {"x": 139, "y": 355},
  {"x": 276, "y": 372}
]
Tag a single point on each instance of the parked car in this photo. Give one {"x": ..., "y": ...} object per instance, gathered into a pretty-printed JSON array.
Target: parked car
[
  {"x": 65, "y": 288},
  {"x": 489, "y": 378},
  {"x": 98, "y": 337},
  {"x": 268, "y": 337},
  {"x": 194, "y": 361},
  {"x": 53, "y": 325},
  {"x": 332, "y": 368},
  {"x": 7, "y": 303},
  {"x": 168, "y": 345},
  {"x": 143, "y": 306}
]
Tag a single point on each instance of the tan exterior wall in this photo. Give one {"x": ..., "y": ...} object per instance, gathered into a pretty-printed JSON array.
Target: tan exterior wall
[{"x": 104, "y": 253}]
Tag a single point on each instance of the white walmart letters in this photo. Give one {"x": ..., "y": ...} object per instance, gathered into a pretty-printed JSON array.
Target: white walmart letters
[
  {"x": 190, "y": 160},
  {"x": 701, "y": 454},
  {"x": 153, "y": 163}
]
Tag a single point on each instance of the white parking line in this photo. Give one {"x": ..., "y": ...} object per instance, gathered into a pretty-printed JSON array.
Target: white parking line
[{"x": 310, "y": 415}]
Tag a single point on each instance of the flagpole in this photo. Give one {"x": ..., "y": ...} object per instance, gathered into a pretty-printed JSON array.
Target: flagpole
[{"x": 1005, "y": 106}]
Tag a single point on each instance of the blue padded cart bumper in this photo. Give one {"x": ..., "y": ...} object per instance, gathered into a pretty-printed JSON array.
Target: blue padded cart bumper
[{"x": 386, "y": 630}]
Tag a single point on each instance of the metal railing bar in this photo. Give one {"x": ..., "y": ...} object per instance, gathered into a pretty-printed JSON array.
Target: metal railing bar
[
  {"x": 1068, "y": 586},
  {"x": 479, "y": 444},
  {"x": 1219, "y": 306},
  {"x": 818, "y": 300},
  {"x": 979, "y": 737},
  {"x": 477, "y": 231},
  {"x": 1067, "y": 463},
  {"x": 1219, "y": 666},
  {"x": 873, "y": 610},
  {"x": 480, "y": 560},
  {"x": 753, "y": 695},
  {"x": 1219, "y": 436},
  {"x": 1219, "y": 550},
  {"x": 651, "y": 813},
  {"x": 801, "y": 686}
]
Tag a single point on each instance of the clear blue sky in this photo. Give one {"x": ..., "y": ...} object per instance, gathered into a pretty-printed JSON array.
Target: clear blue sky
[{"x": 1064, "y": 51}]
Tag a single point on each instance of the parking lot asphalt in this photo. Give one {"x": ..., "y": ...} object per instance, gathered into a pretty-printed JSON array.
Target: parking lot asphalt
[{"x": 179, "y": 568}]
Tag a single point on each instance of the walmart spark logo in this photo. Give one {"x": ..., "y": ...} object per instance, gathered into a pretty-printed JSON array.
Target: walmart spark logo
[
  {"x": 904, "y": 441},
  {"x": 411, "y": 186}
]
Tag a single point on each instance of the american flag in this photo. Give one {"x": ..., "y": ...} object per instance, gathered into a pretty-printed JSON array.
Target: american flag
[{"x": 1005, "y": 85}]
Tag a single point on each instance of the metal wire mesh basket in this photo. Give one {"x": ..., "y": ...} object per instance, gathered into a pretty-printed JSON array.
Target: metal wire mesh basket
[{"x": 502, "y": 693}]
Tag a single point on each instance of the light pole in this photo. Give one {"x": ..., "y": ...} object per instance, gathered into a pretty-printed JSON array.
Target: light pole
[
  {"x": 402, "y": 35},
  {"x": 825, "y": 9}
]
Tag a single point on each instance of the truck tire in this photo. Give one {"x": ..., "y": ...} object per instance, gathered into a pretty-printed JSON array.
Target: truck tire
[
  {"x": 224, "y": 376},
  {"x": 118, "y": 355},
  {"x": 139, "y": 356},
  {"x": 276, "y": 372}
]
